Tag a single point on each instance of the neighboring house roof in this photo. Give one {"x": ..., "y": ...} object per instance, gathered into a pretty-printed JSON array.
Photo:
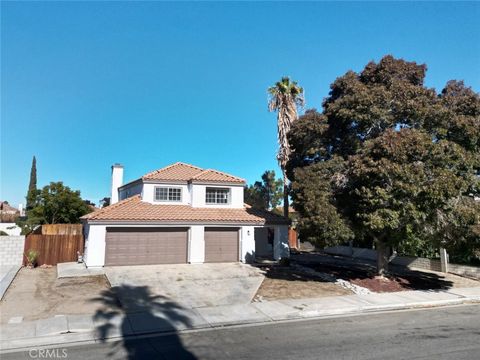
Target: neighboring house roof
[
  {"x": 135, "y": 210},
  {"x": 7, "y": 208},
  {"x": 186, "y": 172},
  {"x": 291, "y": 210}
]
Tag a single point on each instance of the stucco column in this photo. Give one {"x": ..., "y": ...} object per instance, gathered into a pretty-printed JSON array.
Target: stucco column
[
  {"x": 196, "y": 246},
  {"x": 247, "y": 244},
  {"x": 95, "y": 240},
  {"x": 444, "y": 260}
]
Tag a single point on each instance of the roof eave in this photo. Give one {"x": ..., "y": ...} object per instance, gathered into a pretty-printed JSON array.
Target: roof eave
[
  {"x": 164, "y": 181},
  {"x": 173, "y": 222},
  {"x": 219, "y": 183}
]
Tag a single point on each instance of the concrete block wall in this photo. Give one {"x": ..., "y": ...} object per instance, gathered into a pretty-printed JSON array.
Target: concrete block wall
[
  {"x": 470, "y": 271},
  {"x": 370, "y": 254},
  {"x": 11, "y": 250},
  {"x": 416, "y": 262}
]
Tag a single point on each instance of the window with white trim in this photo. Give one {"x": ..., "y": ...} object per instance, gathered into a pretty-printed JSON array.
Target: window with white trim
[
  {"x": 217, "y": 196},
  {"x": 168, "y": 194}
]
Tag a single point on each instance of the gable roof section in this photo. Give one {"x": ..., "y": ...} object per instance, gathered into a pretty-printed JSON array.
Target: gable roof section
[
  {"x": 6, "y": 207},
  {"x": 186, "y": 173},
  {"x": 175, "y": 172},
  {"x": 134, "y": 209}
]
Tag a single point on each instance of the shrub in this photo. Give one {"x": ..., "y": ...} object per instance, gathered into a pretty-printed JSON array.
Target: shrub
[{"x": 32, "y": 256}]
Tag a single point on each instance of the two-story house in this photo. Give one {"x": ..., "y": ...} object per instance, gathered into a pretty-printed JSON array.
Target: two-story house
[{"x": 181, "y": 214}]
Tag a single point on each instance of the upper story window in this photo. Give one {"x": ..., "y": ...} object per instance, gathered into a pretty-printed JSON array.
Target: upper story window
[
  {"x": 217, "y": 196},
  {"x": 168, "y": 194}
]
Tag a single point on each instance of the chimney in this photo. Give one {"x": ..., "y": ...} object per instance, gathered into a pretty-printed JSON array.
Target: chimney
[{"x": 117, "y": 180}]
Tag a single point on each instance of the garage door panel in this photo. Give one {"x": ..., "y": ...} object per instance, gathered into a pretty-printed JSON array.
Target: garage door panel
[
  {"x": 221, "y": 244},
  {"x": 146, "y": 246}
]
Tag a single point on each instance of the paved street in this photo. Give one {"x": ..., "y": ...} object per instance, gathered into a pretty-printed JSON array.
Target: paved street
[{"x": 444, "y": 333}]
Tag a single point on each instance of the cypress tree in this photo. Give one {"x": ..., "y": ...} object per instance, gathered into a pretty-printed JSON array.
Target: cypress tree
[{"x": 32, "y": 186}]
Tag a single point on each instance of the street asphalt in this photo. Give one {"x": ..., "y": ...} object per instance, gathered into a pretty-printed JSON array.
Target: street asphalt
[{"x": 441, "y": 333}]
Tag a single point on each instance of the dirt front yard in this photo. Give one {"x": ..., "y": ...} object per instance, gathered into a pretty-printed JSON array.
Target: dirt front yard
[
  {"x": 286, "y": 283},
  {"x": 37, "y": 294}
]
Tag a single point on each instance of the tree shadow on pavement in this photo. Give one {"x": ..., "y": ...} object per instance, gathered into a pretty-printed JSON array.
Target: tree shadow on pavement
[{"x": 128, "y": 311}]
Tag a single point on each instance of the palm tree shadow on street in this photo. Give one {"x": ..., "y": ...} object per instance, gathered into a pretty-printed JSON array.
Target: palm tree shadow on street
[{"x": 133, "y": 310}]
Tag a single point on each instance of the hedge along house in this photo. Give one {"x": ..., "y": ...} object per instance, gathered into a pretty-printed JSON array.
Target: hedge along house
[{"x": 181, "y": 214}]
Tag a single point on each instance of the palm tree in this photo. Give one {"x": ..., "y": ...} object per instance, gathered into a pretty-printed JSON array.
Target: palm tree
[{"x": 284, "y": 97}]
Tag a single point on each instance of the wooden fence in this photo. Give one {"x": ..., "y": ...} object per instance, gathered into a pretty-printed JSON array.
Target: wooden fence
[
  {"x": 56, "y": 248},
  {"x": 60, "y": 229}
]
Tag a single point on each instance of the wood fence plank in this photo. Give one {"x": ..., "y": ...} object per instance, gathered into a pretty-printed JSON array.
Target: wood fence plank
[{"x": 54, "y": 249}]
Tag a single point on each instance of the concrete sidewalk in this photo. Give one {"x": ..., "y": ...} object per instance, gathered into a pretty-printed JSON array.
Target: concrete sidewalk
[
  {"x": 7, "y": 274},
  {"x": 80, "y": 328}
]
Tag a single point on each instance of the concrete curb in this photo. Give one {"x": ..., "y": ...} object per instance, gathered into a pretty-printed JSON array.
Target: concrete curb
[{"x": 75, "y": 330}]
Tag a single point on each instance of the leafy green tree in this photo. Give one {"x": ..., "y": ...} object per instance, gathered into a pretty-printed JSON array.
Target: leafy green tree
[
  {"x": 32, "y": 186},
  {"x": 58, "y": 204},
  {"x": 266, "y": 194},
  {"x": 285, "y": 96},
  {"x": 105, "y": 202},
  {"x": 253, "y": 195},
  {"x": 388, "y": 160}
]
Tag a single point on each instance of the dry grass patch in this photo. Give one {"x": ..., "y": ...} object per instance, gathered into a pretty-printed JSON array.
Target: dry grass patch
[{"x": 285, "y": 283}]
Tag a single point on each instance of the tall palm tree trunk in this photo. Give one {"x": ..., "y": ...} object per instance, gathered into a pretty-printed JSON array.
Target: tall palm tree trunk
[{"x": 285, "y": 195}]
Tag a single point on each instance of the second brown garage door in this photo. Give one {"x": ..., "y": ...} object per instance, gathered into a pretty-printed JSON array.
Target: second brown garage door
[
  {"x": 221, "y": 244},
  {"x": 146, "y": 246}
]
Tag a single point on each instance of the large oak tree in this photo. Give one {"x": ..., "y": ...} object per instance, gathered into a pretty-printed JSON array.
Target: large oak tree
[{"x": 388, "y": 160}]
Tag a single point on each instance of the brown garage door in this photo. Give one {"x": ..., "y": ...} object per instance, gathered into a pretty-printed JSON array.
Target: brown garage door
[
  {"x": 221, "y": 244},
  {"x": 146, "y": 246}
]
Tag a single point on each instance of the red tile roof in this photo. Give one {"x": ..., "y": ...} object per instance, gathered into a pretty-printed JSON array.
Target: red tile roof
[
  {"x": 186, "y": 172},
  {"x": 211, "y": 175},
  {"x": 6, "y": 207},
  {"x": 134, "y": 209}
]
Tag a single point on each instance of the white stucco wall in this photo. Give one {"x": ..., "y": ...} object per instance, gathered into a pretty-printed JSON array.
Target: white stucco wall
[
  {"x": 247, "y": 244},
  {"x": 94, "y": 255},
  {"x": 117, "y": 181},
  {"x": 192, "y": 194},
  {"x": 198, "y": 196},
  {"x": 149, "y": 191}
]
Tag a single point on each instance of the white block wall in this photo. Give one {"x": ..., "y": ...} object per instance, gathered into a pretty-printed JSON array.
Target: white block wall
[{"x": 11, "y": 250}]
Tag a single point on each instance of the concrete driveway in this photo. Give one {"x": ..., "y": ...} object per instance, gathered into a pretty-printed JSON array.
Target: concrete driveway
[{"x": 191, "y": 285}]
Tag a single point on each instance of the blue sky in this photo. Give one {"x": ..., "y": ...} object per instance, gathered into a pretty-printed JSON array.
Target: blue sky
[{"x": 88, "y": 84}]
